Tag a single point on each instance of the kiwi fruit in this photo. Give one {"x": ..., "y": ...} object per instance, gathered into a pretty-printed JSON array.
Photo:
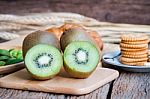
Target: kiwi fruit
[
  {"x": 39, "y": 37},
  {"x": 75, "y": 34},
  {"x": 43, "y": 61},
  {"x": 81, "y": 54},
  {"x": 43, "y": 58}
]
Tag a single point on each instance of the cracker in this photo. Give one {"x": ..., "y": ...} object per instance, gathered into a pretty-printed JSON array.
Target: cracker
[
  {"x": 134, "y": 37},
  {"x": 135, "y": 64},
  {"x": 133, "y": 49},
  {"x": 132, "y": 60},
  {"x": 134, "y": 53},
  {"x": 133, "y": 45},
  {"x": 135, "y": 42},
  {"x": 135, "y": 56}
]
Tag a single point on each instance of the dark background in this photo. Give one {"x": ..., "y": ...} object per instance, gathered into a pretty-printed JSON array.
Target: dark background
[{"x": 120, "y": 11}]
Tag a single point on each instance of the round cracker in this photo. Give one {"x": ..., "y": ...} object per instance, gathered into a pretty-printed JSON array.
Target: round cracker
[
  {"x": 135, "y": 52},
  {"x": 134, "y": 37},
  {"x": 132, "y": 60},
  {"x": 135, "y": 42},
  {"x": 133, "y": 45},
  {"x": 133, "y": 49},
  {"x": 135, "y": 56},
  {"x": 135, "y": 63}
]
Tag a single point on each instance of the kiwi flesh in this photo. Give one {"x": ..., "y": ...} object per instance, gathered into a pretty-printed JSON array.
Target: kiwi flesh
[
  {"x": 42, "y": 55},
  {"x": 43, "y": 61},
  {"x": 39, "y": 37},
  {"x": 81, "y": 54}
]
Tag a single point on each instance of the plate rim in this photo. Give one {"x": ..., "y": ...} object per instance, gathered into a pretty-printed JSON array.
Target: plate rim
[
  {"x": 122, "y": 65},
  {"x": 11, "y": 65}
]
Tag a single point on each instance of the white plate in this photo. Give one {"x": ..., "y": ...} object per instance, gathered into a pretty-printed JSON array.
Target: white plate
[{"x": 111, "y": 60}]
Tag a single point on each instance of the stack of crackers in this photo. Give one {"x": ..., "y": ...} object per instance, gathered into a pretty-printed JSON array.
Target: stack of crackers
[{"x": 134, "y": 49}]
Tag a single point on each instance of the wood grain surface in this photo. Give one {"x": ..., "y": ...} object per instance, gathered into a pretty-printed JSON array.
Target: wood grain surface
[
  {"x": 61, "y": 83},
  {"x": 100, "y": 93},
  {"x": 131, "y": 86},
  {"x": 120, "y": 11}
]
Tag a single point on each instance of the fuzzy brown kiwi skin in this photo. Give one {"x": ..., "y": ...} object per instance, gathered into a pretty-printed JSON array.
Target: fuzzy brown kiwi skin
[
  {"x": 75, "y": 34},
  {"x": 40, "y": 37}
]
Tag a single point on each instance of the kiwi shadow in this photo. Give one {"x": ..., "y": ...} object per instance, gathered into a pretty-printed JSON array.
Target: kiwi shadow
[
  {"x": 23, "y": 74},
  {"x": 64, "y": 74}
]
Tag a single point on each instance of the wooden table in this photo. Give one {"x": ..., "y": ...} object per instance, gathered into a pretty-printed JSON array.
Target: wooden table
[{"x": 127, "y": 86}]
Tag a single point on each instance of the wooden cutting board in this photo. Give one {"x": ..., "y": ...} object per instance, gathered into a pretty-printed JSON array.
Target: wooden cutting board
[{"x": 61, "y": 83}]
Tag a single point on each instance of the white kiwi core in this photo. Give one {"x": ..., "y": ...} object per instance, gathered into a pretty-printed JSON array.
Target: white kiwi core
[
  {"x": 44, "y": 60},
  {"x": 81, "y": 56}
]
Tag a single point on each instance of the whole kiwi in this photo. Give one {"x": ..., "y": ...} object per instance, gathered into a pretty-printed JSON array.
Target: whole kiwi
[
  {"x": 75, "y": 34},
  {"x": 39, "y": 37}
]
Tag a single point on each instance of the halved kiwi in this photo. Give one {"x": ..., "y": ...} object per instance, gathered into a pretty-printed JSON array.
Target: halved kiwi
[
  {"x": 39, "y": 37},
  {"x": 43, "y": 58},
  {"x": 43, "y": 61},
  {"x": 81, "y": 54}
]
